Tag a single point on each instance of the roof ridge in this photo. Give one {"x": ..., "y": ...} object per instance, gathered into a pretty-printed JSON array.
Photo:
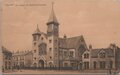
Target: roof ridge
[
  {"x": 100, "y": 48},
  {"x": 75, "y": 36}
]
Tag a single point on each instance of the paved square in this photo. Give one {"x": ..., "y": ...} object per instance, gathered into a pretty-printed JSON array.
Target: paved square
[{"x": 55, "y": 72}]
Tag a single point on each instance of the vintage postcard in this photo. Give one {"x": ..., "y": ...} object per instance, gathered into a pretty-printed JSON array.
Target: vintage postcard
[{"x": 66, "y": 37}]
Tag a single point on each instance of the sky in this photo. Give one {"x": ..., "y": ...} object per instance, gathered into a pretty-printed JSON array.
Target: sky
[{"x": 97, "y": 20}]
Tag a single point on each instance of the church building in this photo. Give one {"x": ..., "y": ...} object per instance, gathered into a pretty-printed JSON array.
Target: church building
[{"x": 50, "y": 50}]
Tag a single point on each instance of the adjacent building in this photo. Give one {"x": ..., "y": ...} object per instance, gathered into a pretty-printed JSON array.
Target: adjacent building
[
  {"x": 7, "y": 59},
  {"x": 103, "y": 58},
  {"x": 22, "y": 59}
]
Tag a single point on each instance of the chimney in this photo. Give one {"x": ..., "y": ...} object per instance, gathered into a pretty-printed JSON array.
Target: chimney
[
  {"x": 90, "y": 46},
  {"x": 65, "y": 36},
  {"x": 112, "y": 46}
]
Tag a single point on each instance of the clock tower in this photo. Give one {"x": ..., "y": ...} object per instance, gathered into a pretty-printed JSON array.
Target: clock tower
[
  {"x": 52, "y": 24},
  {"x": 53, "y": 35}
]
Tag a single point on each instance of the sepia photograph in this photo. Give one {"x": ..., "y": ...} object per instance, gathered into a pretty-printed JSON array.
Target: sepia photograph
[{"x": 66, "y": 37}]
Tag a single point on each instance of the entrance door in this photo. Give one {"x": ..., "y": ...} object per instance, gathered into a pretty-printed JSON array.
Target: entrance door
[
  {"x": 41, "y": 63},
  {"x": 80, "y": 66}
]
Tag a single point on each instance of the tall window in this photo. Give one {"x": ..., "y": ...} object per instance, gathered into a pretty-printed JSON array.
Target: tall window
[
  {"x": 50, "y": 49},
  {"x": 102, "y": 64},
  {"x": 42, "y": 38},
  {"x": 35, "y": 65},
  {"x": 65, "y": 53},
  {"x": 61, "y": 53},
  {"x": 50, "y": 64},
  {"x": 95, "y": 64},
  {"x": 42, "y": 49},
  {"x": 34, "y": 51},
  {"x": 50, "y": 57},
  {"x": 35, "y": 44},
  {"x": 34, "y": 38},
  {"x": 50, "y": 41},
  {"x": 86, "y": 65},
  {"x": 111, "y": 64},
  {"x": 71, "y": 54}
]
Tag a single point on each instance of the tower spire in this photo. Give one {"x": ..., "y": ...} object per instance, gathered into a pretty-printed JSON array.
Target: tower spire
[
  {"x": 37, "y": 31},
  {"x": 52, "y": 6},
  {"x": 52, "y": 18},
  {"x": 37, "y": 27}
]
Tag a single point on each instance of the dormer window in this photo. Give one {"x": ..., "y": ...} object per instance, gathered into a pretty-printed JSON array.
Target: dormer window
[
  {"x": 102, "y": 54},
  {"x": 86, "y": 55}
]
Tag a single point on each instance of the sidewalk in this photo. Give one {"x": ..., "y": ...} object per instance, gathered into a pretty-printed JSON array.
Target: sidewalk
[{"x": 86, "y": 72}]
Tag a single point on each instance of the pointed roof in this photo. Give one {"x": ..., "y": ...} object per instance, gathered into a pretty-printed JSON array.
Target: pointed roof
[
  {"x": 108, "y": 51},
  {"x": 5, "y": 50},
  {"x": 72, "y": 42},
  {"x": 37, "y": 31},
  {"x": 52, "y": 18}
]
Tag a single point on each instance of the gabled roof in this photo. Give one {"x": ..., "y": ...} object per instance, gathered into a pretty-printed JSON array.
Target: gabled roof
[
  {"x": 108, "y": 51},
  {"x": 70, "y": 42},
  {"x": 5, "y": 50},
  {"x": 22, "y": 53},
  {"x": 62, "y": 43}
]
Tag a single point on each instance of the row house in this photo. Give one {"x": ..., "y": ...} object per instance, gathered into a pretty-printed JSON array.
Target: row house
[
  {"x": 22, "y": 59},
  {"x": 7, "y": 59},
  {"x": 103, "y": 58}
]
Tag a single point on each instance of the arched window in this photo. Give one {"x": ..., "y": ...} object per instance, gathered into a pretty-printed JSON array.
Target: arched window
[
  {"x": 50, "y": 64},
  {"x": 35, "y": 65},
  {"x": 42, "y": 49}
]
